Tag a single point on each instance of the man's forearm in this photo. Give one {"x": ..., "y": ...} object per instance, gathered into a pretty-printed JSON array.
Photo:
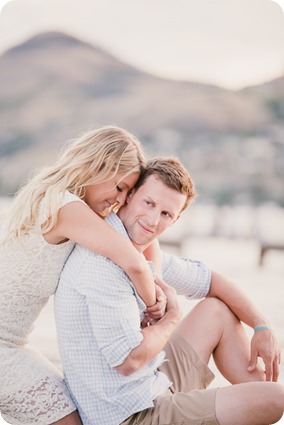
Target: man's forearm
[
  {"x": 236, "y": 300},
  {"x": 154, "y": 339}
]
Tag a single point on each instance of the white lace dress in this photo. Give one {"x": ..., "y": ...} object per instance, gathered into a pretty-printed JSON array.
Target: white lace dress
[{"x": 32, "y": 390}]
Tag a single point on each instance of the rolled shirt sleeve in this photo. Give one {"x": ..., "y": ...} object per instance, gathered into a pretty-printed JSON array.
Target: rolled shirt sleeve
[
  {"x": 189, "y": 277},
  {"x": 113, "y": 309}
]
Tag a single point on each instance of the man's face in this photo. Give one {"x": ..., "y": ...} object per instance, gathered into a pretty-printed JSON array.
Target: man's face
[{"x": 150, "y": 210}]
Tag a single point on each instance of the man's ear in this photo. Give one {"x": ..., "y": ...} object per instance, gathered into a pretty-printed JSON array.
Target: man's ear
[
  {"x": 129, "y": 195},
  {"x": 175, "y": 220}
]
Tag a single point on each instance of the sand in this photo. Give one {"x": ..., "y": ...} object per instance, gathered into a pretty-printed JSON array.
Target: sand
[{"x": 237, "y": 258}]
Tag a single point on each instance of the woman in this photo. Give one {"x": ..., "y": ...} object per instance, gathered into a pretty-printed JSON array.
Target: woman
[{"x": 59, "y": 206}]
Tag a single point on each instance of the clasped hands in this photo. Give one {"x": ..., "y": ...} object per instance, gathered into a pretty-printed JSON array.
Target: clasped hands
[{"x": 163, "y": 303}]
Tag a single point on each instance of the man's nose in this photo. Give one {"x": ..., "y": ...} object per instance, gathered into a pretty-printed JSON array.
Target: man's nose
[
  {"x": 154, "y": 217},
  {"x": 121, "y": 197}
]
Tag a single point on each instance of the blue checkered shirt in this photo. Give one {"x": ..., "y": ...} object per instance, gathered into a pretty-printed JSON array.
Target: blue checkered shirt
[{"x": 98, "y": 313}]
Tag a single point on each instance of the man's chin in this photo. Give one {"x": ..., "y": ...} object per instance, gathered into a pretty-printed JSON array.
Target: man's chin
[
  {"x": 138, "y": 238},
  {"x": 141, "y": 244}
]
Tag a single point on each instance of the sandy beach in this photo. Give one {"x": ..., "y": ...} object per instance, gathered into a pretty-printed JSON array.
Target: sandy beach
[{"x": 235, "y": 257}]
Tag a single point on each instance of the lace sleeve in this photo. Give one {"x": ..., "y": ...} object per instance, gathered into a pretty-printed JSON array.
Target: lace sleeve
[
  {"x": 69, "y": 197},
  {"x": 62, "y": 199}
]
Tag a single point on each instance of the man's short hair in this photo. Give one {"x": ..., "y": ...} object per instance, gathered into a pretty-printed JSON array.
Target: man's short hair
[{"x": 171, "y": 172}]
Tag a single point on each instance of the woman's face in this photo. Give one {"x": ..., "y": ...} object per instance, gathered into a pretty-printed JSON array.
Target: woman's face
[{"x": 104, "y": 195}]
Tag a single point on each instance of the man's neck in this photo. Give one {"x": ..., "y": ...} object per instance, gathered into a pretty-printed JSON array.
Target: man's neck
[{"x": 140, "y": 248}]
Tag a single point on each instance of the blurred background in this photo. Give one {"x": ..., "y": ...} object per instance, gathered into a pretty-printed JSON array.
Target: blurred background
[{"x": 203, "y": 80}]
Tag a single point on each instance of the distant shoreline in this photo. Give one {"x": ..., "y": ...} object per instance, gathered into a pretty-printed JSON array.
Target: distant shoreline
[{"x": 263, "y": 222}]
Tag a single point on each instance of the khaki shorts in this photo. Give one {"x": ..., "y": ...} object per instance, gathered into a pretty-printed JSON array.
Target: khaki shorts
[{"x": 187, "y": 402}]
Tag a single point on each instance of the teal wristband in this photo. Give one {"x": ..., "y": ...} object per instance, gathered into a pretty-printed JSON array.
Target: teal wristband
[{"x": 262, "y": 328}]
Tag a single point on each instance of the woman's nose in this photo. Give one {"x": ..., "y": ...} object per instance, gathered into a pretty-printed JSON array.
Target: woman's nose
[{"x": 121, "y": 197}]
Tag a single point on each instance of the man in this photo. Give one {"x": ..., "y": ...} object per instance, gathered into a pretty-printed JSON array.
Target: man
[{"x": 119, "y": 372}]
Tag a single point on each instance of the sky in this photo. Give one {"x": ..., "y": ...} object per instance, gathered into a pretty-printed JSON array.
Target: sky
[{"x": 229, "y": 43}]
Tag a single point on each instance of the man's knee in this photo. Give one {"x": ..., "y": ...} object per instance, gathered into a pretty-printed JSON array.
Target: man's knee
[{"x": 217, "y": 309}]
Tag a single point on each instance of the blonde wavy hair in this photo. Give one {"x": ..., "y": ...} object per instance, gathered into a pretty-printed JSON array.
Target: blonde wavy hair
[{"x": 93, "y": 158}]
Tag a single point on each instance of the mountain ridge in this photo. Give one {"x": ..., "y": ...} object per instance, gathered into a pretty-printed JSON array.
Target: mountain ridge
[{"x": 54, "y": 87}]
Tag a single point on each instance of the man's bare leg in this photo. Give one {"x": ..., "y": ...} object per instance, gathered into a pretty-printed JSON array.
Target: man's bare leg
[
  {"x": 212, "y": 328},
  {"x": 253, "y": 403},
  {"x": 72, "y": 419}
]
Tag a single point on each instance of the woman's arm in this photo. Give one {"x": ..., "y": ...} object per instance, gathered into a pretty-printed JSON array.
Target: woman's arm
[
  {"x": 77, "y": 222},
  {"x": 152, "y": 253}
]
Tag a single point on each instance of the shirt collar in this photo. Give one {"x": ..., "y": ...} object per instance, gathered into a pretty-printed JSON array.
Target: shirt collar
[{"x": 114, "y": 221}]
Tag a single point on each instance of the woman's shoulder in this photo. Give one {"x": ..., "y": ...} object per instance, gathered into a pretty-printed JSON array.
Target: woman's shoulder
[
  {"x": 68, "y": 197},
  {"x": 57, "y": 201}
]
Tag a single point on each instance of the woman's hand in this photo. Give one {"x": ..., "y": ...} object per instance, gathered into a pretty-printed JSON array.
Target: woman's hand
[{"x": 157, "y": 310}]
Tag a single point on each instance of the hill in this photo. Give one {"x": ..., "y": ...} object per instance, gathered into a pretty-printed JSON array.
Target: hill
[{"x": 54, "y": 87}]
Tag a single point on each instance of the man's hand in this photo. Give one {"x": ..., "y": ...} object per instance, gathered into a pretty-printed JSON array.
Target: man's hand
[
  {"x": 264, "y": 344},
  {"x": 157, "y": 311},
  {"x": 173, "y": 304}
]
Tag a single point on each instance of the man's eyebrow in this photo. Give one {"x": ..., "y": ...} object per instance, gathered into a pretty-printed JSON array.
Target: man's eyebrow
[
  {"x": 148, "y": 197},
  {"x": 169, "y": 211}
]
